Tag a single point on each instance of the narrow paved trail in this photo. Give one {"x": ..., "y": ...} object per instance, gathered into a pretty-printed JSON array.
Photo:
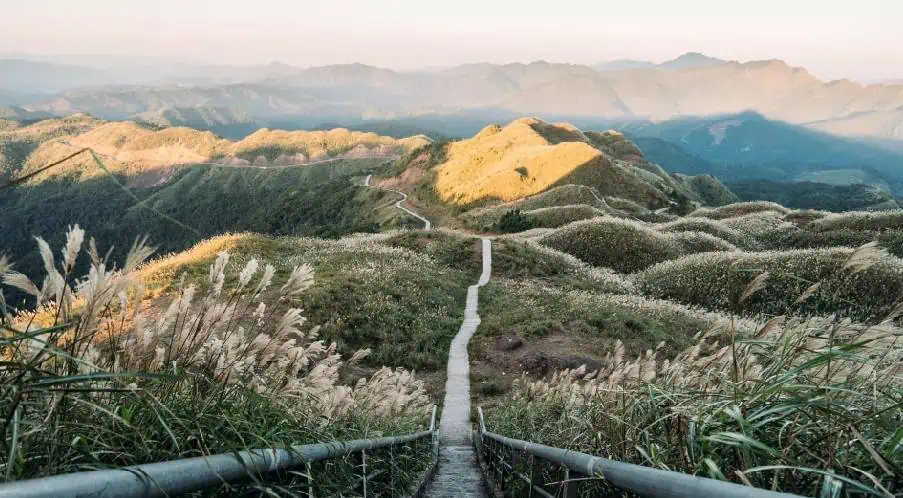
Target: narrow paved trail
[
  {"x": 404, "y": 197},
  {"x": 459, "y": 473}
]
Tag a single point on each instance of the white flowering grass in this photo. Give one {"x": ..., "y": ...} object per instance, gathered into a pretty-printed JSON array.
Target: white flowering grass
[
  {"x": 92, "y": 379},
  {"x": 739, "y": 209},
  {"x": 768, "y": 228},
  {"x": 711, "y": 227},
  {"x": 554, "y": 217},
  {"x": 859, "y": 220},
  {"x": 696, "y": 242},
  {"x": 794, "y": 406},
  {"x": 518, "y": 258},
  {"x": 622, "y": 245},
  {"x": 718, "y": 280}
]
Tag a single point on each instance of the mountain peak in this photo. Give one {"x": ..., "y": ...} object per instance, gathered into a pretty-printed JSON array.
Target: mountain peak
[{"x": 692, "y": 60}]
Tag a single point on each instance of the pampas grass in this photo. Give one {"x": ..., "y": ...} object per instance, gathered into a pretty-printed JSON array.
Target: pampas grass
[
  {"x": 790, "y": 407},
  {"x": 95, "y": 378}
]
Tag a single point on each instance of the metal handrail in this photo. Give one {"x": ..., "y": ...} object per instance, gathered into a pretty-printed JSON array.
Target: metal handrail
[
  {"x": 175, "y": 477},
  {"x": 643, "y": 481}
]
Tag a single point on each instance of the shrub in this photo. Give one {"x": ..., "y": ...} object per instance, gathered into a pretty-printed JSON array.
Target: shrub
[
  {"x": 694, "y": 242},
  {"x": 515, "y": 258},
  {"x": 799, "y": 408},
  {"x": 97, "y": 381},
  {"x": 739, "y": 209},
  {"x": 718, "y": 280},
  {"x": 622, "y": 245},
  {"x": 711, "y": 227},
  {"x": 859, "y": 220},
  {"x": 554, "y": 217},
  {"x": 514, "y": 221},
  {"x": 767, "y": 228}
]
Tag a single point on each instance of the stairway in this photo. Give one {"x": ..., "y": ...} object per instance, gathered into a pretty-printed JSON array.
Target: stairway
[{"x": 459, "y": 473}]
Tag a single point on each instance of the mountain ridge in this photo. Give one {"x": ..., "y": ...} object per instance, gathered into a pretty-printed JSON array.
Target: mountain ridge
[{"x": 693, "y": 84}]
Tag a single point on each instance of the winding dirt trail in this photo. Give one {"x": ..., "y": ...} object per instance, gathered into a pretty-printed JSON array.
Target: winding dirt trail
[{"x": 404, "y": 197}]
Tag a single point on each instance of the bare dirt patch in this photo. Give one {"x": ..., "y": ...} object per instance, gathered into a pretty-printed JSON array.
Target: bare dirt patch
[{"x": 500, "y": 360}]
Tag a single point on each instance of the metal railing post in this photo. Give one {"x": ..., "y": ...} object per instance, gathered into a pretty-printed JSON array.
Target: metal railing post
[
  {"x": 392, "y": 471},
  {"x": 500, "y": 464},
  {"x": 569, "y": 489},
  {"x": 535, "y": 474},
  {"x": 513, "y": 465},
  {"x": 364, "y": 470},
  {"x": 310, "y": 480}
]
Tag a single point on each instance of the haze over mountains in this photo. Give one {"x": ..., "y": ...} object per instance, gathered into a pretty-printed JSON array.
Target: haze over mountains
[{"x": 691, "y": 85}]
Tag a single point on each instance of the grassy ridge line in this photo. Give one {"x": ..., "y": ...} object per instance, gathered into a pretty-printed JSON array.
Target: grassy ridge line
[{"x": 315, "y": 200}]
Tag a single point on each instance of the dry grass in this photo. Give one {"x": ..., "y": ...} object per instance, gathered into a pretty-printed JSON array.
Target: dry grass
[
  {"x": 131, "y": 148},
  {"x": 514, "y": 163},
  {"x": 529, "y": 156}
]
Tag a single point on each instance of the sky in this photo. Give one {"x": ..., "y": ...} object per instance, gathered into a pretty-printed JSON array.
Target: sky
[{"x": 860, "y": 40}]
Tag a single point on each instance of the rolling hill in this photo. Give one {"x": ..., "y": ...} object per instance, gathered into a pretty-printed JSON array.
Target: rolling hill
[{"x": 551, "y": 172}]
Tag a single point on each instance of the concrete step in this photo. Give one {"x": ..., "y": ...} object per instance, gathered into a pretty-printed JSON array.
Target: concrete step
[{"x": 458, "y": 474}]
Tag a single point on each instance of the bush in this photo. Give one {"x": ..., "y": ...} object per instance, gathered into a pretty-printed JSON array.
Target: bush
[
  {"x": 717, "y": 281},
  {"x": 859, "y": 220},
  {"x": 766, "y": 228},
  {"x": 554, "y": 217},
  {"x": 695, "y": 242},
  {"x": 514, "y": 258},
  {"x": 531, "y": 308},
  {"x": 711, "y": 227},
  {"x": 739, "y": 209},
  {"x": 624, "y": 246},
  {"x": 514, "y": 221}
]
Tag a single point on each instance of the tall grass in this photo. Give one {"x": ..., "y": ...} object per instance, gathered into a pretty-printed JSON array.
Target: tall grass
[
  {"x": 812, "y": 406},
  {"x": 93, "y": 377}
]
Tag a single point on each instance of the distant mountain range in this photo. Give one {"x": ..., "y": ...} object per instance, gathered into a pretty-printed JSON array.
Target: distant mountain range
[
  {"x": 689, "y": 60},
  {"x": 276, "y": 94}
]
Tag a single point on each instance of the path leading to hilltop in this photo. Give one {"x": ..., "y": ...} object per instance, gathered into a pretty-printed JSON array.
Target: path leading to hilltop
[
  {"x": 459, "y": 473},
  {"x": 404, "y": 197}
]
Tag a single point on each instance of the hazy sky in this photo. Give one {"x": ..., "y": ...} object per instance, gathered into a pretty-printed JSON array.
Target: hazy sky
[{"x": 859, "y": 39}]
